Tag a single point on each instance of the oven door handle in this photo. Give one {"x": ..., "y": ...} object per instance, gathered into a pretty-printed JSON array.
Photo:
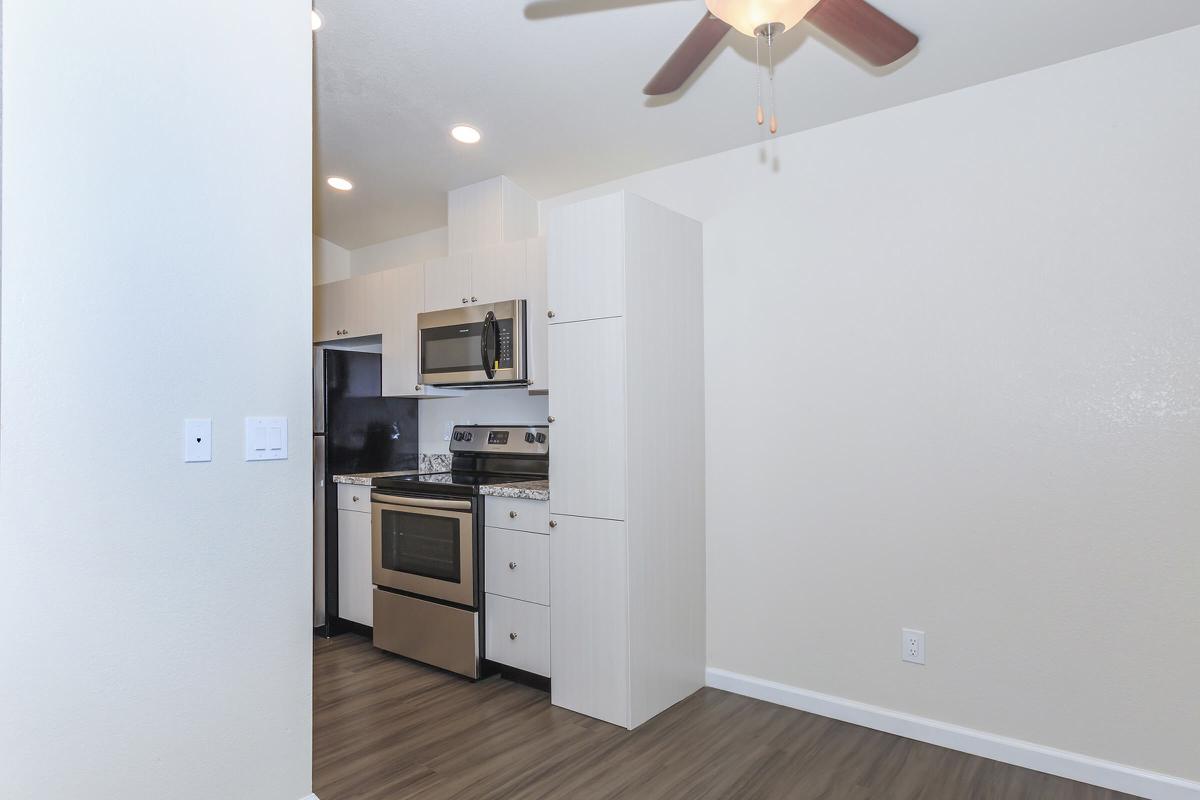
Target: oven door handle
[
  {"x": 420, "y": 502},
  {"x": 490, "y": 326}
]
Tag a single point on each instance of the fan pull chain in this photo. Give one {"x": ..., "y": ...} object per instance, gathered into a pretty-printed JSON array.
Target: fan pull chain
[
  {"x": 758, "y": 80},
  {"x": 771, "y": 77}
]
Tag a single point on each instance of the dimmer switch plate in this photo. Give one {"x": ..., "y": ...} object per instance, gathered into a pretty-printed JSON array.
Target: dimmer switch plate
[
  {"x": 266, "y": 438},
  {"x": 197, "y": 440}
]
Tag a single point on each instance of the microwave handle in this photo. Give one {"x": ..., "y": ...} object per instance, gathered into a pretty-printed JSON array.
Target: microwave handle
[{"x": 490, "y": 326}]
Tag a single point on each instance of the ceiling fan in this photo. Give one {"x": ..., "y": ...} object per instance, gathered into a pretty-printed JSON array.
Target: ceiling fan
[{"x": 856, "y": 24}]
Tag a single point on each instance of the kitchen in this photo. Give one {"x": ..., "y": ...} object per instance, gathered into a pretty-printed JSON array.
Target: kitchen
[{"x": 485, "y": 428}]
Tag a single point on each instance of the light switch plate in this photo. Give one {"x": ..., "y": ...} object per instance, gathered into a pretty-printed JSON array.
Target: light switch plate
[
  {"x": 197, "y": 440},
  {"x": 266, "y": 438}
]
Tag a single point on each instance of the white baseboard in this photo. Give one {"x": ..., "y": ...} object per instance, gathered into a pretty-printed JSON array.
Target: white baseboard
[{"x": 1065, "y": 764}]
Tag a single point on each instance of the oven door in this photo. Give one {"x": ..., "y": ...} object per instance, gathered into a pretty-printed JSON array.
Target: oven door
[
  {"x": 476, "y": 345},
  {"x": 425, "y": 546}
]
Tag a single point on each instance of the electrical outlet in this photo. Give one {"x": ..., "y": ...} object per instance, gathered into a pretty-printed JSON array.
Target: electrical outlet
[{"x": 912, "y": 646}]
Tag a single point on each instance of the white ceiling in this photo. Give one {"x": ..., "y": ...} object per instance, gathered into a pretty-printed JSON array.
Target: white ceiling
[{"x": 558, "y": 96}]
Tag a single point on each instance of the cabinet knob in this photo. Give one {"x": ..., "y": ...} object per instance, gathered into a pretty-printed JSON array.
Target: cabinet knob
[
  {"x": 417, "y": 388},
  {"x": 473, "y": 300},
  {"x": 550, "y": 314},
  {"x": 512, "y": 636},
  {"x": 512, "y": 515},
  {"x": 549, "y": 419},
  {"x": 553, "y": 523},
  {"x": 354, "y": 498},
  {"x": 512, "y": 565},
  {"x": 464, "y": 301}
]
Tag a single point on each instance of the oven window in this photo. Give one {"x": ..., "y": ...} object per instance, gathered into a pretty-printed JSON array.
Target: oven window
[{"x": 420, "y": 544}]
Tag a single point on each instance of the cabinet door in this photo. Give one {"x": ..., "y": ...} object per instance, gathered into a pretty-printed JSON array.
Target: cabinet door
[
  {"x": 364, "y": 306},
  {"x": 535, "y": 297},
  {"x": 589, "y": 634},
  {"x": 329, "y": 310},
  {"x": 448, "y": 282},
  {"x": 403, "y": 296},
  {"x": 587, "y": 403},
  {"x": 585, "y": 245},
  {"x": 498, "y": 273},
  {"x": 354, "y": 566}
]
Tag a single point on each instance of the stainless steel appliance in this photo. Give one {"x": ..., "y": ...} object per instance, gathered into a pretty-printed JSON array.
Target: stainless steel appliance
[
  {"x": 480, "y": 345},
  {"x": 427, "y": 545},
  {"x": 354, "y": 430}
]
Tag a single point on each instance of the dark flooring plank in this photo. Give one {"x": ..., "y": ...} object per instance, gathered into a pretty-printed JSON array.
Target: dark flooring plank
[{"x": 387, "y": 728}]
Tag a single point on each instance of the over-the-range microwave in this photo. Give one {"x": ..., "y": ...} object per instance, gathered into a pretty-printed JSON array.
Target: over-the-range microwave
[{"x": 477, "y": 345}]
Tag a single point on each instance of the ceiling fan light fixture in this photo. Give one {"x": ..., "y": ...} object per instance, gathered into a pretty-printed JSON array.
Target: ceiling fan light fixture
[{"x": 749, "y": 15}]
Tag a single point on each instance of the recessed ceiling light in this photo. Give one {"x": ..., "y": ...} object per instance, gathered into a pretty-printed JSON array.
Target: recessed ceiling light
[
  {"x": 465, "y": 134},
  {"x": 341, "y": 184},
  {"x": 317, "y": 20}
]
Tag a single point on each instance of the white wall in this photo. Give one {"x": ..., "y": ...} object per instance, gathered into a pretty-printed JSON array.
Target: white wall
[
  {"x": 399, "y": 252},
  {"x": 330, "y": 262},
  {"x": 156, "y": 266},
  {"x": 478, "y": 407},
  {"x": 953, "y": 362}
]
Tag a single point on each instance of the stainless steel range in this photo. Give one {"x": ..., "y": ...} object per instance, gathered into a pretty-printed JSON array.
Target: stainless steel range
[{"x": 427, "y": 544}]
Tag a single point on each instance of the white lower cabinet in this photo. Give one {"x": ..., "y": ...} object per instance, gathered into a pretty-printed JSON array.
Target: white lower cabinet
[
  {"x": 354, "y": 564},
  {"x": 517, "y": 633},
  {"x": 589, "y": 629},
  {"x": 517, "y": 564}
]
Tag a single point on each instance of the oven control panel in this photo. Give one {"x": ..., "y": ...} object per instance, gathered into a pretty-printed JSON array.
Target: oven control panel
[{"x": 523, "y": 440}]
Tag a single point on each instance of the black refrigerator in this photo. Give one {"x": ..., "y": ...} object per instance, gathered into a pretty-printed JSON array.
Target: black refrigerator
[{"x": 355, "y": 429}]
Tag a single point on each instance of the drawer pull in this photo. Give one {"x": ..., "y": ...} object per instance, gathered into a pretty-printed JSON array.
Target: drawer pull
[
  {"x": 553, "y": 524},
  {"x": 512, "y": 515},
  {"x": 512, "y": 565},
  {"x": 512, "y": 636},
  {"x": 354, "y": 498}
]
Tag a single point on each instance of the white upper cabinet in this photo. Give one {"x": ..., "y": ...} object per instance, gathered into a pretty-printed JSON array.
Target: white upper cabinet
[
  {"x": 346, "y": 309},
  {"x": 488, "y": 213},
  {"x": 586, "y": 260},
  {"x": 535, "y": 298},
  {"x": 448, "y": 282},
  {"x": 587, "y": 404},
  {"x": 498, "y": 273},
  {"x": 329, "y": 310},
  {"x": 403, "y": 292}
]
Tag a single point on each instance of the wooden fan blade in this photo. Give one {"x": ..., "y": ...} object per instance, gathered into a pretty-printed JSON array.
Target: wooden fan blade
[
  {"x": 863, "y": 29},
  {"x": 690, "y": 53}
]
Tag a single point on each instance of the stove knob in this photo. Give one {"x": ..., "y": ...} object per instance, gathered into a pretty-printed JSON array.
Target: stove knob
[
  {"x": 530, "y": 438},
  {"x": 541, "y": 438},
  {"x": 458, "y": 436},
  {"x": 468, "y": 436}
]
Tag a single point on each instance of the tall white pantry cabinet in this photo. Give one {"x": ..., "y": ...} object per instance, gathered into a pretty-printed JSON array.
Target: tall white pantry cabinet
[{"x": 624, "y": 292}]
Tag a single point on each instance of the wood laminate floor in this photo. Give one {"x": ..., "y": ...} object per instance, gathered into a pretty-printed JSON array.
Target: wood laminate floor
[{"x": 389, "y": 729}]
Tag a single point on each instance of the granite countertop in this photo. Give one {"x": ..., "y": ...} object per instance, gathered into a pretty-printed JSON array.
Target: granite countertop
[
  {"x": 522, "y": 490},
  {"x": 368, "y": 478}
]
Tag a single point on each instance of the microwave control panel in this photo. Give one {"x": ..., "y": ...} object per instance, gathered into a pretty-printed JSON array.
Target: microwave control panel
[{"x": 504, "y": 350}]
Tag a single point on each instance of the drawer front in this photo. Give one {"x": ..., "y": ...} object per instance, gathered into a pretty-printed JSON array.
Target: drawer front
[
  {"x": 518, "y": 634},
  {"x": 517, "y": 514},
  {"x": 352, "y": 497},
  {"x": 517, "y": 565}
]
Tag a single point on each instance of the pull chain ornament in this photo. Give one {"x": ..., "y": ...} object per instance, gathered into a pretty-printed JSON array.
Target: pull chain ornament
[
  {"x": 766, "y": 32},
  {"x": 758, "y": 80}
]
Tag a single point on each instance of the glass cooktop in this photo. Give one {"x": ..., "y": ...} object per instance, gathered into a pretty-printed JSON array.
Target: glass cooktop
[{"x": 455, "y": 482}]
